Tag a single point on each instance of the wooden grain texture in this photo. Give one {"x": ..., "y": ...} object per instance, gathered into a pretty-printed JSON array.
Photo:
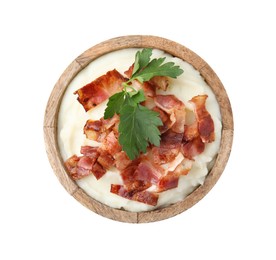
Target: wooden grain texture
[{"x": 140, "y": 41}]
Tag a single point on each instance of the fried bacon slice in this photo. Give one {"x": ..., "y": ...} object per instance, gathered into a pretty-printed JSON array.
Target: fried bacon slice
[
  {"x": 193, "y": 148},
  {"x": 140, "y": 174},
  {"x": 97, "y": 130},
  {"x": 105, "y": 159},
  {"x": 148, "y": 172},
  {"x": 148, "y": 88},
  {"x": 128, "y": 72},
  {"x": 169, "y": 147},
  {"x": 144, "y": 196},
  {"x": 173, "y": 107},
  {"x": 98, "y": 171},
  {"x": 93, "y": 129},
  {"x": 205, "y": 122},
  {"x": 111, "y": 144},
  {"x": 165, "y": 118},
  {"x": 121, "y": 160},
  {"x": 191, "y": 131},
  {"x": 170, "y": 180},
  {"x": 100, "y": 89},
  {"x": 71, "y": 166},
  {"x": 79, "y": 167},
  {"x": 160, "y": 82}
]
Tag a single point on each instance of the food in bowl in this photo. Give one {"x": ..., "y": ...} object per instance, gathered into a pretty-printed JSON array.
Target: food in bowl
[{"x": 180, "y": 123}]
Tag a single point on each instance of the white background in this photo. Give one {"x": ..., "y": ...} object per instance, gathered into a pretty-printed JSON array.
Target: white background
[{"x": 40, "y": 220}]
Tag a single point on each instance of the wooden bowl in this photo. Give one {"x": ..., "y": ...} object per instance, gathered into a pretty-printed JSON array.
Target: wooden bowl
[{"x": 137, "y": 41}]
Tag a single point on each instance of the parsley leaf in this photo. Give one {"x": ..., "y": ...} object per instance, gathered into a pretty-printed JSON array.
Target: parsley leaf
[
  {"x": 117, "y": 101},
  {"x": 142, "y": 58},
  {"x": 138, "y": 127},
  {"x": 114, "y": 104},
  {"x": 144, "y": 69},
  {"x": 138, "y": 97}
]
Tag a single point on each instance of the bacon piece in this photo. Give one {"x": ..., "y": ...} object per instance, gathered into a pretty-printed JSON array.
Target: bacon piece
[
  {"x": 71, "y": 166},
  {"x": 106, "y": 160},
  {"x": 110, "y": 122},
  {"x": 169, "y": 147},
  {"x": 144, "y": 196},
  {"x": 100, "y": 89},
  {"x": 148, "y": 172},
  {"x": 163, "y": 115},
  {"x": 121, "y": 160},
  {"x": 160, "y": 82},
  {"x": 204, "y": 119},
  {"x": 168, "y": 103},
  {"x": 111, "y": 144},
  {"x": 170, "y": 180},
  {"x": 90, "y": 151},
  {"x": 148, "y": 88},
  {"x": 167, "y": 123},
  {"x": 98, "y": 171},
  {"x": 97, "y": 130},
  {"x": 128, "y": 72},
  {"x": 93, "y": 129},
  {"x": 191, "y": 131},
  {"x": 179, "y": 124},
  {"x": 149, "y": 103},
  {"x": 79, "y": 167},
  {"x": 129, "y": 178},
  {"x": 175, "y": 108},
  {"x": 193, "y": 148},
  {"x": 84, "y": 166}
]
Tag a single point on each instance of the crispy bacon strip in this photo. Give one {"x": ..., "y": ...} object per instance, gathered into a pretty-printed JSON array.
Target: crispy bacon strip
[
  {"x": 100, "y": 89},
  {"x": 204, "y": 119},
  {"x": 169, "y": 147},
  {"x": 148, "y": 172},
  {"x": 193, "y": 148},
  {"x": 148, "y": 88},
  {"x": 79, "y": 167},
  {"x": 160, "y": 82},
  {"x": 71, "y": 166},
  {"x": 121, "y": 160},
  {"x": 165, "y": 118},
  {"x": 191, "y": 131},
  {"x": 144, "y": 196},
  {"x": 111, "y": 144},
  {"x": 98, "y": 171},
  {"x": 93, "y": 129},
  {"x": 105, "y": 159},
  {"x": 97, "y": 130},
  {"x": 170, "y": 180},
  {"x": 89, "y": 163},
  {"x": 128, "y": 72},
  {"x": 175, "y": 108},
  {"x": 131, "y": 183}
]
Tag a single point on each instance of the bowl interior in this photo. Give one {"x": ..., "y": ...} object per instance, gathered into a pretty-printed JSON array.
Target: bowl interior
[{"x": 137, "y": 41}]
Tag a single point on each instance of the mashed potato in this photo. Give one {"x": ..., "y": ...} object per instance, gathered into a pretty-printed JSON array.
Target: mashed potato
[{"x": 72, "y": 118}]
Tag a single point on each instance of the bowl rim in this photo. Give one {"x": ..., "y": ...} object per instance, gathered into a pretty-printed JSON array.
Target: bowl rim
[{"x": 124, "y": 42}]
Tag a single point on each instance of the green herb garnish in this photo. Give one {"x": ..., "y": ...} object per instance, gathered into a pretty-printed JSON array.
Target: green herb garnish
[{"x": 139, "y": 125}]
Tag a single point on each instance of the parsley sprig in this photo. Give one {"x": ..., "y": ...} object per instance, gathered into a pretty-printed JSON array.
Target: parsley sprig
[{"x": 138, "y": 125}]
